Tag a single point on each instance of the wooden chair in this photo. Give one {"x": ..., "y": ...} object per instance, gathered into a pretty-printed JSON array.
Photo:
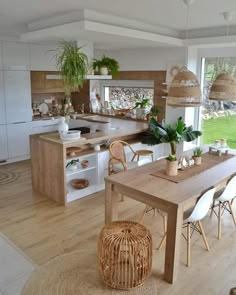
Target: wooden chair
[
  {"x": 117, "y": 162},
  {"x": 223, "y": 199},
  {"x": 192, "y": 220}
]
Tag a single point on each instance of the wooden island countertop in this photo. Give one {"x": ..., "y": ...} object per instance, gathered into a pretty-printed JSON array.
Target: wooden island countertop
[
  {"x": 102, "y": 128},
  {"x": 49, "y": 158}
]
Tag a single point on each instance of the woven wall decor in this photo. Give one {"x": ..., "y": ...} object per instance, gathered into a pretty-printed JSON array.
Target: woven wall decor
[
  {"x": 124, "y": 254},
  {"x": 184, "y": 90},
  {"x": 223, "y": 88}
]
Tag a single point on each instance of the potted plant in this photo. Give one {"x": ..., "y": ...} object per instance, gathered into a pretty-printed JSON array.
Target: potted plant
[
  {"x": 172, "y": 134},
  {"x": 153, "y": 112},
  {"x": 72, "y": 62},
  {"x": 72, "y": 165},
  {"x": 197, "y": 156},
  {"x": 141, "y": 105},
  {"x": 106, "y": 65}
]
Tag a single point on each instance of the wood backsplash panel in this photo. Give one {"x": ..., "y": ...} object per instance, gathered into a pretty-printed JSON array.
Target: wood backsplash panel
[
  {"x": 158, "y": 77},
  {"x": 81, "y": 97}
]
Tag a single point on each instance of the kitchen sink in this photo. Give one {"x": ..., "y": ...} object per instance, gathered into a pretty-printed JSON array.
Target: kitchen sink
[{"x": 83, "y": 130}]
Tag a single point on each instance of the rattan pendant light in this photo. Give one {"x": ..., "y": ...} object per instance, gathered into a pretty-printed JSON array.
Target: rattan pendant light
[
  {"x": 185, "y": 89},
  {"x": 224, "y": 86}
]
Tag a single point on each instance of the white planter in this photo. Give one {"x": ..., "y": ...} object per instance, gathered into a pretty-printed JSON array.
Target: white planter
[
  {"x": 73, "y": 167},
  {"x": 104, "y": 71},
  {"x": 63, "y": 126},
  {"x": 140, "y": 113}
]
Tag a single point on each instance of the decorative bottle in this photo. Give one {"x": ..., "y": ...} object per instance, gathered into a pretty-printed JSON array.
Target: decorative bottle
[{"x": 63, "y": 126}]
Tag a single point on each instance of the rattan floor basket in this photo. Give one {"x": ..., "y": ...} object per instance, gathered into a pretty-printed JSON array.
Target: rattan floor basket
[{"x": 124, "y": 254}]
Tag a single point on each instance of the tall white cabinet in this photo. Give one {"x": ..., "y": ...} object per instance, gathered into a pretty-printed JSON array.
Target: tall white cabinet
[
  {"x": 17, "y": 96},
  {"x": 2, "y": 101},
  {"x": 42, "y": 57},
  {"x": 16, "y": 56}
]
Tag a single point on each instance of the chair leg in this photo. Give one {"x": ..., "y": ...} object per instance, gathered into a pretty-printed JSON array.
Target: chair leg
[
  {"x": 188, "y": 243},
  {"x": 133, "y": 157},
  {"x": 213, "y": 205},
  {"x": 152, "y": 157},
  {"x": 144, "y": 212},
  {"x": 203, "y": 235},
  {"x": 232, "y": 212},
  {"x": 219, "y": 221},
  {"x": 162, "y": 241},
  {"x": 165, "y": 231}
]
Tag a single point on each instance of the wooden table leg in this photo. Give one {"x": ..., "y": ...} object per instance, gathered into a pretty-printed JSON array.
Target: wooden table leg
[
  {"x": 174, "y": 229},
  {"x": 111, "y": 203}
]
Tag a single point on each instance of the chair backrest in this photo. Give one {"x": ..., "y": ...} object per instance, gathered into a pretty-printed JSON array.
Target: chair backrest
[
  {"x": 117, "y": 150},
  {"x": 230, "y": 190},
  {"x": 202, "y": 207}
]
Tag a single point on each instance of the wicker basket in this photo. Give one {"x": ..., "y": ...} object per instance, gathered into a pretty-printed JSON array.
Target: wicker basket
[
  {"x": 121, "y": 112},
  {"x": 124, "y": 254}
]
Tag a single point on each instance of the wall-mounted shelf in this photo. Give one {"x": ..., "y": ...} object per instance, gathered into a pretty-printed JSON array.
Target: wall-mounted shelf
[{"x": 99, "y": 77}]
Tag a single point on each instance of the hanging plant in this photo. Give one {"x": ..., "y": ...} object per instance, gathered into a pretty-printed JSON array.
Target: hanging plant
[{"x": 72, "y": 62}]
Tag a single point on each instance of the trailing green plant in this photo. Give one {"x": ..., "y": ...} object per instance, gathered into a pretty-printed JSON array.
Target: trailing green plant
[
  {"x": 72, "y": 62},
  {"x": 141, "y": 102},
  {"x": 173, "y": 134},
  {"x": 197, "y": 152},
  {"x": 110, "y": 63},
  {"x": 72, "y": 162}
]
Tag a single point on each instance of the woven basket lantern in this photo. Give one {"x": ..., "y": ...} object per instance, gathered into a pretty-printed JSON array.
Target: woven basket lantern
[
  {"x": 124, "y": 254},
  {"x": 184, "y": 90},
  {"x": 223, "y": 88}
]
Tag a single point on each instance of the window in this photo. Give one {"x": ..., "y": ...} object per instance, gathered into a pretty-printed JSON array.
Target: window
[
  {"x": 121, "y": 94},
  {"x": 218, "y": 117}
]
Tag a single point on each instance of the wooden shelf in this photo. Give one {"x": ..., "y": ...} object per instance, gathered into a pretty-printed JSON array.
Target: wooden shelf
[{"x": 79, "y": 170}]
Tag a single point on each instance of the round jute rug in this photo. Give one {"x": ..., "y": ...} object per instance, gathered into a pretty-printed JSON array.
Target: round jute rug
[{"x": 76, "y": 274}]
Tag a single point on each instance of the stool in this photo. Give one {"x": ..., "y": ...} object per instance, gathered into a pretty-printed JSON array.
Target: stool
[
  {"x": 139, "y": 153},
  {"x": 124, "y": 254}
]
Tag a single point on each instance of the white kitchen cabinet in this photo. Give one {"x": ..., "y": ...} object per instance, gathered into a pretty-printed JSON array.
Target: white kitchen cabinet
[
  {"x": 17, "y": 96},
  {"x": 2, "y": 100},
  {"x": 16, "y": 56},
  {"x": 18, "y": 139},
  {"x": 3, "y": 143},
  {"x": 1, "y": 59},
  {"x": 42, "y": 58}
]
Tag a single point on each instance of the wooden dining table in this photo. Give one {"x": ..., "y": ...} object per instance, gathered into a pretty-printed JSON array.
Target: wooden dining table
[{"x": 174, "y": 198}]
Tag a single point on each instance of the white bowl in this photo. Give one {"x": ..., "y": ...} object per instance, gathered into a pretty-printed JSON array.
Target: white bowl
[{"x": 70, "y": 135}]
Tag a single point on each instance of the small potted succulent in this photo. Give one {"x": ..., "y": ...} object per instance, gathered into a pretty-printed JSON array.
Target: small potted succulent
[
  {"x": 172, "y": 134},
  {"x": 197, "y": 156},
  {"x": 72, "y": 165}
]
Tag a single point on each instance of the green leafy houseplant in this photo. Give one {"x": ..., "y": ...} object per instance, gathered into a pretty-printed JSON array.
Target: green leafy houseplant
[
  {"x": 72, "y": 62},
  {"x": 197, "y": 152},
  {"x": 72, "y": 163},
  {"x": 141, "y": 102},
  {"x": 154, "y": 111},
  {"x": 172, "y": 134},
  {"x": 110, "y": 63}
]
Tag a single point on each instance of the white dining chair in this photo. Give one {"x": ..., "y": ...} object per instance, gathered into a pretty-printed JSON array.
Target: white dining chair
[
  {"x": 192, "y": 220},
  {"x": 223, "y": 200}
]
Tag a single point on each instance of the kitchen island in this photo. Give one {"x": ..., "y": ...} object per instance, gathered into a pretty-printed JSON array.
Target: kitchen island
[{"x": 49, "y": 156}]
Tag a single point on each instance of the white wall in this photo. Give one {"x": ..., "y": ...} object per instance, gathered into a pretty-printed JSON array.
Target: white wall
[
  {"x": 145, "y": 58},
  {"x": 217, "y": 52}
]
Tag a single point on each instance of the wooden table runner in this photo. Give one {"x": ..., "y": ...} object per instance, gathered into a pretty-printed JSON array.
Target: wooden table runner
[{"x": 208, "y": 161}]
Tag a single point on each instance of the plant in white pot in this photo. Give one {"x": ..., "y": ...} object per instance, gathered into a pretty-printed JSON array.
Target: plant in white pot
[
  {"x": 106, "y": 65},
  {"x": 142, "y": 106},
  {"x": 197, "y": 156},
  {"x": 72, "y": 165},
  {"x": 172, "y": 134}
]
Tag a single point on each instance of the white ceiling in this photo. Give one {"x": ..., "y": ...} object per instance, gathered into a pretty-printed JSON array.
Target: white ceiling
[
  {"x": 169, "y": 16},
  {"x": 169, "y": 13}
]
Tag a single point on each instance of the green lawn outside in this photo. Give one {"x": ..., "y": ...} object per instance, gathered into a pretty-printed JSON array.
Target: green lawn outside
[{"x": 223, "y": 127}]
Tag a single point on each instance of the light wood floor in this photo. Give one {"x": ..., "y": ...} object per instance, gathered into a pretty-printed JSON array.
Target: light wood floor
[{"x": 43, "y": 229}]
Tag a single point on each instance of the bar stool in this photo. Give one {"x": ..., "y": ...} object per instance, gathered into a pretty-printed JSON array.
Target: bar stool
[{"x": 144, "y": 153}]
